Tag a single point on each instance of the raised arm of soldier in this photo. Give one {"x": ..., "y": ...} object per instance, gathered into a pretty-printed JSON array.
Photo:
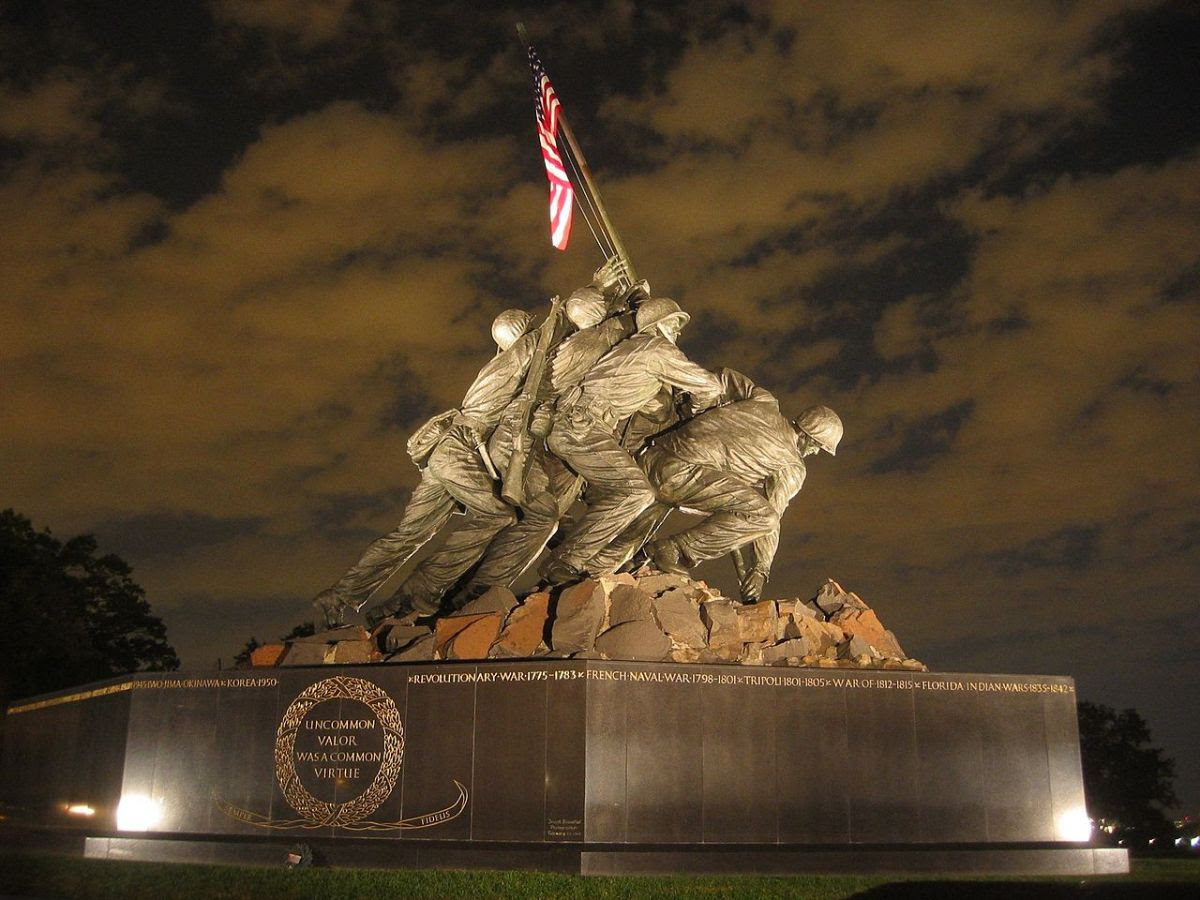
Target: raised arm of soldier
[
  {"x": 736, "y": 387},
  {"x": 668, "y": 362},
  {"x": 612, "y": 278},
  {"x": 599, "y": 331}
]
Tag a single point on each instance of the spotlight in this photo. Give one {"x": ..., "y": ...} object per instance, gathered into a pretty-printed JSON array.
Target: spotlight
[
  {"x": 1074, "y": 825},
  {"x": 137, "y": 812}
]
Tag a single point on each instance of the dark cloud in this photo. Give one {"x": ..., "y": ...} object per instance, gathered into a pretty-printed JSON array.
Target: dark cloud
[
  {"x": 711, "y": 332},
  {"x": 1140, "y": 381},
  {"x": 1150, "y": 111},
  {"x": 1186, "y": 287},
  {"x": 157, "y": 534},
  {"x": 406, "y": 394},
  {"x": 342, "y": 517},
  {"x": 1187, "y": 538},
  {"x": 922, "y": 442},
  {"x": 1071, "y": 548},
  {"x": 211, "y": 629}
]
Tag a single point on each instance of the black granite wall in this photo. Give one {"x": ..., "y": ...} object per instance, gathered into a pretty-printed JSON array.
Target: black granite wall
[{"x": 558, "y": 751}]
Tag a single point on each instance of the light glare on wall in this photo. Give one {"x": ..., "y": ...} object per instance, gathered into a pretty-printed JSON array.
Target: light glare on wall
[
  {"x": 1074, "y": 825},
  {"x": 80, "y": 809},
  {"x": 137, "y": 812}
]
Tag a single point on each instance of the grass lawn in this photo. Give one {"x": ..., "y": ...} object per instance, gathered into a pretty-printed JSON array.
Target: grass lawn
[{"x": 46, "y": 876}]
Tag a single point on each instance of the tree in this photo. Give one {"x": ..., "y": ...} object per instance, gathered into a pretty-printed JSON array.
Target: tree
[
  {"x": 242, "y": 658},
  {"x": 1128, "y": 783},
  {"x": 70, "y": 615}
]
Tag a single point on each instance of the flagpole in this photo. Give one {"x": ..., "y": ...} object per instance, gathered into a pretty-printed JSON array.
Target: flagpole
[
  {"x": 588, "y": 185},
  {"x": 586, "y": 174}
]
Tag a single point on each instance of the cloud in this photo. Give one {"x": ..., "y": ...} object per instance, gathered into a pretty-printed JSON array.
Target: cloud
[
  {"x": 1071, "y": 548},
  {"x": 1067, "y": 495},
  {"x": 52, "y": 111},
  {"x": 151, "y": 534},
  {"x": 308, "y": 22},
  {"x": 284, "y": 331},
  {"x": 274, "y": 323},
  {"x": 923, "y": 441}
]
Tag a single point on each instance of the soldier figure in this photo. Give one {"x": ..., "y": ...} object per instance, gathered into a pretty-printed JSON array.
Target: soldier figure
[
  {"x": 611, "y": 386},
  {"x": 585, "y": 429},
  {"x": 740, "y": 465},
  {"x": 504, "y": 549},
  {"x": 550, "y": 488},
  {"x": 453, "y": 446}
]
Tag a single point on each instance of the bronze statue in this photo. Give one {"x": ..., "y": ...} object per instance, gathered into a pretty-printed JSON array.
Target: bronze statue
[
  {"x": 543, "y": 488},
  {"x": 549, "y": 487},
  {"x": 451, "y": 447},
  {"x": 588, "y": 415},
  {"x": 739, "y": 465},
  {"x": 607, "y": 405},
  {"x": 572, "y": 404}
]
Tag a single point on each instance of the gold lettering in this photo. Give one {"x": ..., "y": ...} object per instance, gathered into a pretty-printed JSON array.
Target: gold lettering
[
  {"x": 361, "y": 756},
  {"x": 332, "y": 772},
  {"x": 337, "y": 740}
]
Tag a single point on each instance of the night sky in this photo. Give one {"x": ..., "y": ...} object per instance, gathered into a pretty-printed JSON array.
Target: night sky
[{"x": 248, "y": 246}]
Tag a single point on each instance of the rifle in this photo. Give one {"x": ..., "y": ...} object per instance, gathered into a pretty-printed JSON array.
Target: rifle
[{"x": 513, "y": 490}]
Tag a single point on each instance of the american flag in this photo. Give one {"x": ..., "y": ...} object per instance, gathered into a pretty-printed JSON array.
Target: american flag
[{"x": 562, "y": 195}]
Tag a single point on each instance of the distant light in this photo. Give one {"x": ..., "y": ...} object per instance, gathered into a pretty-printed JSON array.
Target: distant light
[
  {"x": 1196, "y": 841},
  {"x": 137, "y": 812},
  {"x": 1074, "y": 825},
  {"x": 80, "y": 809}
]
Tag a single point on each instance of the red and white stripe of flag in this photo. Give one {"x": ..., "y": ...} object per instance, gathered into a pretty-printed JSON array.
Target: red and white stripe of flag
[{"x": 562, "y": 194}]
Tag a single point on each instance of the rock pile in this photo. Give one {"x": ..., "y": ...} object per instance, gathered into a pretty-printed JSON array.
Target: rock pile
[{"x": 647, "y": 616}]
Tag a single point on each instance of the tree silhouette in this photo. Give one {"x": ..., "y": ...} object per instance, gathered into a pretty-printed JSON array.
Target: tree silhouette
[
  {"x": 242, "y": 658},
  {"x": 70, "y": 615},
  {"x": 1127, "y": 781}
]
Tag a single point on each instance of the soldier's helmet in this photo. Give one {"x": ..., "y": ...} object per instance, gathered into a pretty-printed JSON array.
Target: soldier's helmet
[
  {"x": 658, "y": 310},
  {"x": 509, "y": 326},
  {"x": 586, "y": 307},
  {"x": 822, "y": 425}
]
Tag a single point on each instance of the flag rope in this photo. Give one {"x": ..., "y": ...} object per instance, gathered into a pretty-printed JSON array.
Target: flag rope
[{"x": 605, "y": 248}]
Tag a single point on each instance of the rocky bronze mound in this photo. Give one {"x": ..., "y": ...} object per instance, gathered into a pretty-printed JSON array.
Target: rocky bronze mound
[{"x": 647, "y": 616}]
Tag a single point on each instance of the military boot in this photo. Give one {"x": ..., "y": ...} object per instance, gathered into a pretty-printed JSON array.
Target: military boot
[
  {"x": 404, "y": 606},
  {"x": 667, "y": 556},
  {"x": 556, "y": 572},
  {"x": 331, "y": 607}
]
